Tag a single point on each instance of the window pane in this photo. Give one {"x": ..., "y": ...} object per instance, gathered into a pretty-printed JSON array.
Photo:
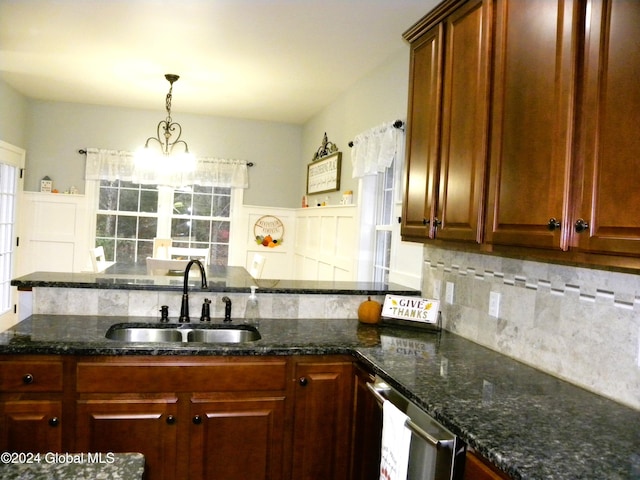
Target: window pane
[
  {"x": 128, "y": 201},
  {"x": 221, "y": 206},
  {"x": 125, "y": 251},
  {"x": 108, "y": 199},
  {"x": 149, "y": 201},
  {"x": 109, "y": 246},
  {"x": 145, "y": 249},
  {"x": 220, "y": 232},
  {"x": 106, "y": 226},
  {"x": 180, "y": 228},
  {"x": 127, "y": 227},
  {"x": 181, "y": 203},
  {"x": 201, "y": 230},
  {"x": 147, "y": 227},
  {"x": 202, "y": 205}
]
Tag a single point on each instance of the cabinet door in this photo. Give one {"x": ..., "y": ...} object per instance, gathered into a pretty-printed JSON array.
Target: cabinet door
[
  {"x": 234, "y": 439},
  {"x": 124, "y": 424},
  {"x": 367, "y": 429},
  {"x": 531, "y": 128},
  {"x": 476, "y": 468},
  {"x": 463, "y": 159},
  {"x": 31, "y": 426},
  {"x": 607, "y": 192},
  {"x": 322, "y": 420},
  {"x": 422, "y": 134}
]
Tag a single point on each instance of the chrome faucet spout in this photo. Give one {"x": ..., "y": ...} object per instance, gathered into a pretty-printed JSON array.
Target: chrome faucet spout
[{"x": 184, "y": 308}]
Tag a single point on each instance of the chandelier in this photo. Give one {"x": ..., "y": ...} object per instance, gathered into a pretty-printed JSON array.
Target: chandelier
[{"x": 167, "y": 137}]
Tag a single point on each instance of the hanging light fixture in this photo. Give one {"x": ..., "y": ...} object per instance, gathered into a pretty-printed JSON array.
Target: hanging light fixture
[{"x": 166, "y": 156}]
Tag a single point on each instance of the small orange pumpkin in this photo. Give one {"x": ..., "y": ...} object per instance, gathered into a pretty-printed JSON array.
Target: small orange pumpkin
[{"x": 369, "y": 311}]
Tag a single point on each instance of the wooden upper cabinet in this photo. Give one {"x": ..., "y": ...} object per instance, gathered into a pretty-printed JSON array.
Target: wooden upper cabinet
[
  {"x": 422, "y": 134},
  {"x": 447, "y": 126},
  {"x": 607, "y": 188},
  {"x": 463, "y": 155},
  {"x": 531, "y": 127}
]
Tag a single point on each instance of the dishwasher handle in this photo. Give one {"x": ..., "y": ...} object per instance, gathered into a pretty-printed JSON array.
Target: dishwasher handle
[{"x": 426, "y": 436}]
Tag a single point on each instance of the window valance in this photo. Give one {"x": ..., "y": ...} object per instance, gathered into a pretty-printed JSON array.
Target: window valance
[
  {"x": 121, "y": 165},
  {"x": 375, "y": 149}
]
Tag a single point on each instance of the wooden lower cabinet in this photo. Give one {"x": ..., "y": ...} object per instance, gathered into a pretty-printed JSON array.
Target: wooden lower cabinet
[
  {"x": 31, "y": 406},
  {"x": 31, "y": 426},
  {"x": 236, "y": 438},
  {"x": 367, "y": 429},
  {"x": 322, "y": 418},
  {"x": 477, "y": 468},
  {"x": 124, "y": 423}
]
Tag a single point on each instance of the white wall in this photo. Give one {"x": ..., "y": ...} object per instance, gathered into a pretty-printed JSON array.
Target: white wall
[
  {"x": 56, "y": 131},
  {"x": 379, "y": 97},
  {"x": 13, "y": 116}
]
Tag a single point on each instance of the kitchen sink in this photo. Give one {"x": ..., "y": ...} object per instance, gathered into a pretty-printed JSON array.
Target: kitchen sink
[{"x": 184, "y": 333}]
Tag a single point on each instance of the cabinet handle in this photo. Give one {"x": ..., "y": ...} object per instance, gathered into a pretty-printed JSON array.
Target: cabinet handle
[
  {"x": 171, "y": 420},
  {"x": 581, "y": 226},
  {"x": 426, "y": 221},
  {"x": 553, "y": 224},
  {"x": 197, "y": 420},
  {"x": 303, "y": 381},
  {"x": 27, "y": 379},
  {"x": 436, "y": 222},
  {"x": 54, "y": 421}
]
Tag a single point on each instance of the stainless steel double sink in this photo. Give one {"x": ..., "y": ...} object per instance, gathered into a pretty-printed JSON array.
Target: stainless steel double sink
[{"x": 182, "y": 333}]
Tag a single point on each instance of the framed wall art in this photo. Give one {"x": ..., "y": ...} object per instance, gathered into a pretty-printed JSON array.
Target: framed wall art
[{"x": 324, "y": 175}]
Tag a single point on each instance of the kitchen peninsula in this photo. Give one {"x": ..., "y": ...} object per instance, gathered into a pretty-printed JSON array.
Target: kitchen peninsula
[
  {"x": 531, "y": 425},
  {"x": 128, "y": 290}
]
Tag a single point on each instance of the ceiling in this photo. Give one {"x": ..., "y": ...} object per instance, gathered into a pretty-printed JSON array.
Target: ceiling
[{"x": 275, "y": 60}]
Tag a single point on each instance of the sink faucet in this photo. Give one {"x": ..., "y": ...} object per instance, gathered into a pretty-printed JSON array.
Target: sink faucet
[{"x": 184, "y": 309}]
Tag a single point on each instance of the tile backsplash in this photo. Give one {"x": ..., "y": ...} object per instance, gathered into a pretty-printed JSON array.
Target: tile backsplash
[
  {"x": 145, "y": 303},
  {"x": 579, "y": 324}
]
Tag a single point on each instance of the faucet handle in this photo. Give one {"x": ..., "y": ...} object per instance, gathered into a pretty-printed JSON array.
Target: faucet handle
[{"x": 206, "y": 311}]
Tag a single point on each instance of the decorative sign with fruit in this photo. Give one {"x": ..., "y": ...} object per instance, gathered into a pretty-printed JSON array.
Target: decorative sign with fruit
[{"x": 268, "y": 231}]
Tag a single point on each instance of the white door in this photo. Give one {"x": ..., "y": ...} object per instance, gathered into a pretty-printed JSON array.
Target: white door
[{"x": 11, "y": 166}]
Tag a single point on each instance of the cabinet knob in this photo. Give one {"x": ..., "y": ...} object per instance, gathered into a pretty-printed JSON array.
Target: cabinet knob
[
  {"x": 171, "y": 420},
  {"x": 426, "y": 221},
  {"x": 581, "y": 226},
  {"x": 197, "y": 419},
  {"x": 303, "y": 381},
  {"x": 54, "y": 421},
  {"x": 27, "y": 379},
  {"x": 553, "y": 224},
  {"x": 436, "y": 222}
]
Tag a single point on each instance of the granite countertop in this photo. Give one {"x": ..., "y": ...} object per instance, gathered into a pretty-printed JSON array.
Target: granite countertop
[
  {"x": 530, "y": 424},
  {"x": 114, "y": 466},
  {"x": 219, "y": 279}
]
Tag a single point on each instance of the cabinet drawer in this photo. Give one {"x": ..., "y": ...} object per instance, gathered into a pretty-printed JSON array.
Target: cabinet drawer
[
  {"x": 226, "y": 374},
  {"x": 30, "y": 376}
]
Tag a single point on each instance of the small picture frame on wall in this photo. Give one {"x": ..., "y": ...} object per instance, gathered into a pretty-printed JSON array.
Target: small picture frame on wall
[{"x": 324, "y": 175}]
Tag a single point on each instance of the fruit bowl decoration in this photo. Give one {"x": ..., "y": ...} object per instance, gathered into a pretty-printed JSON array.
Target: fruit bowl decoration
[{"x": 268, "y": 231}]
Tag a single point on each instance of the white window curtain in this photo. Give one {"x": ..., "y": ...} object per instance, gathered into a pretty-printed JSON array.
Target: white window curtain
[
  {"x": 374, "y": 151},
  {"x": 121, "y": 165}
]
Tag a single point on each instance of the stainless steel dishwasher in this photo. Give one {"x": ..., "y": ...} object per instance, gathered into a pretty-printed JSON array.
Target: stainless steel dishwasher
[{"x": 435, "y": 453}]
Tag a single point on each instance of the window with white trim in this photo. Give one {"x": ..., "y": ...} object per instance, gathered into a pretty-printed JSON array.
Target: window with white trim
[{"x": 130, "y": 215}]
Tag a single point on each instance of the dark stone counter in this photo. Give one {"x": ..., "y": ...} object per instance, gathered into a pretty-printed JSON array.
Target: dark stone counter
[
  {"x": 530, "y": 424},
  {"x": 219, "y": 279},
  {"x": 47, "y": 466}
]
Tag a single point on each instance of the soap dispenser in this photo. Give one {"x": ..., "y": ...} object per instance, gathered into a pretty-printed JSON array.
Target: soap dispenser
[{"x": 252, "y": 311}]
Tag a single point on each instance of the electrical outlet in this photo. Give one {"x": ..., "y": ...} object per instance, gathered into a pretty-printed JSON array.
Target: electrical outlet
[
  {"x": 449, "y": 292},
  {"x": 437, "y": 287},
  {"x": 494, "y": 304}
]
